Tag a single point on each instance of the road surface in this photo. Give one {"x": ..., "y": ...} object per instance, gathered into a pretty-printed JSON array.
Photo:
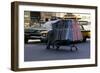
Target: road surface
[{"x": 37, "y": 52}]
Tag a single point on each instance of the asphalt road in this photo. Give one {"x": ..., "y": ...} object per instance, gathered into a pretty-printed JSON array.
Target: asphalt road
[{"x": 37, "y": 52}]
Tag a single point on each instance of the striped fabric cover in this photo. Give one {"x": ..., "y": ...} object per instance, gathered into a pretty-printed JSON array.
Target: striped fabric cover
[
  {"x": 77, "y": 35},
  {"x": 73, "y": 31},
  {"x": 67, "y": 30},
  {"x": 60, "y": 30}
]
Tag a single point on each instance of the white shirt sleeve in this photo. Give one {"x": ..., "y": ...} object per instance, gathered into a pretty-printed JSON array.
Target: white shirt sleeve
[
  {"x": 48, "y": 25},
  {"x": 55, "y": 21}
]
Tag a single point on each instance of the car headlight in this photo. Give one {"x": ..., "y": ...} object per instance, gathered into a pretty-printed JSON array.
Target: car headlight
[{"x": 44, "y": 33}]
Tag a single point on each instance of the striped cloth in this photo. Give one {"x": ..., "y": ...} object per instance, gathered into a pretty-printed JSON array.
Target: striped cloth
[
  {"x": 60, "y": 30},
  {"x": 67, "y": 30},
  {"x": 73, "y": 31}
]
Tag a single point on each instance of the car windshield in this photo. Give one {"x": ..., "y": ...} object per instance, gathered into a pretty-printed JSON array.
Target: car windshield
[{"x": 84, "y": 25}]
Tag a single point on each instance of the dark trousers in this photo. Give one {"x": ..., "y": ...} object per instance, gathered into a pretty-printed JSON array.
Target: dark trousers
[{"x": 49, "y": 39}]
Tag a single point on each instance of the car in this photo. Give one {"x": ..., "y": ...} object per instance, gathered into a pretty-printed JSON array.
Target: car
[
  {"x": 85, "y": 29},
  {"x": 34, "y": 33},
  {"x": 85, "y": 34}
]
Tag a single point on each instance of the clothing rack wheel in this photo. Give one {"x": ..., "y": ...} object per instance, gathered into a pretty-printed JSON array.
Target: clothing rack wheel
[{"x": 74, "y": 47}]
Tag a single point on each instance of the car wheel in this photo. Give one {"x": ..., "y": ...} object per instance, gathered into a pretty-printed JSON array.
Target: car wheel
[{"x": 26, "y": 40}]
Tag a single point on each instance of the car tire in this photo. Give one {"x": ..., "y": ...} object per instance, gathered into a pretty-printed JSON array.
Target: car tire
[{"x": 26, "y": 40}]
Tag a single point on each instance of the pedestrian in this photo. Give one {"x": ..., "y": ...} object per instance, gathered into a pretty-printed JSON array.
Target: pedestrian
[{"x": 48, "y": 26}]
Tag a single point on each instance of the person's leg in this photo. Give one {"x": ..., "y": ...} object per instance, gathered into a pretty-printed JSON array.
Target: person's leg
[
  {"x": 49, "y": 35},
  {"x": 48, "y": 45}
]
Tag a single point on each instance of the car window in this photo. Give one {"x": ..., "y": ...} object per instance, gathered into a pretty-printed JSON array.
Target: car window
[
  {"x": 83, "y": 22},
  {"x": 86, "y": 27},
  {"x": 81, "y": 27}
]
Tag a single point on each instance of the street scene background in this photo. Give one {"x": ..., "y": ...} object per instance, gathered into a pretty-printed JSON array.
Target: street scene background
[{"x": 36, "y": 25}]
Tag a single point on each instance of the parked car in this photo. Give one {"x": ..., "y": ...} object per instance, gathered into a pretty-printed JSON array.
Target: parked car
[
  {"x": 85, "y": 29},
  {"x": 34, "y": 33}
]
